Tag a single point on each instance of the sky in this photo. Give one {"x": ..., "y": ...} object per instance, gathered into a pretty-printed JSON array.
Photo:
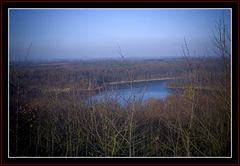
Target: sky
[{"x": 57, "y": 34}]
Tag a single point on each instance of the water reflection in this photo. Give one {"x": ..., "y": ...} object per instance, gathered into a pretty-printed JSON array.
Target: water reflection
[{"x": 139, "y": 91}]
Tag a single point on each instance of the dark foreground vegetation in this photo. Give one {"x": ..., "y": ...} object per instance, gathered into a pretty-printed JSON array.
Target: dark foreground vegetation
[{"x": 49, "y": 115}]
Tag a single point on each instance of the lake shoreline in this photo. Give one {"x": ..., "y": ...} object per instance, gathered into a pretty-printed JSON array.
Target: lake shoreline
[
  {"x": 140, "y": 89},
  {"x": 108, "y": 85},
  {"x": 143, "y": 80}
]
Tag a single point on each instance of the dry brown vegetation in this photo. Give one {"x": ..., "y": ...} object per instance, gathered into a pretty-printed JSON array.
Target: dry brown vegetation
[{"x": 46, "y": 120}]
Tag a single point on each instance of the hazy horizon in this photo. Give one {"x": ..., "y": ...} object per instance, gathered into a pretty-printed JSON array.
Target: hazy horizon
[{"x": 71, "y": 34}]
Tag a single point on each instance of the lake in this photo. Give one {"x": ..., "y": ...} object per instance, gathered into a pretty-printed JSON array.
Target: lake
[{"x": 138, "y": 91}]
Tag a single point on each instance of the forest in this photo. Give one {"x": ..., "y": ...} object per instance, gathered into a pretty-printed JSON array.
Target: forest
[{"x": 49, "y": 115}]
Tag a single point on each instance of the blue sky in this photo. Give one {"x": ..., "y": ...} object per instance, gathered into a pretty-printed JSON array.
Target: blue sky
[{"x": 96, "y": 33}]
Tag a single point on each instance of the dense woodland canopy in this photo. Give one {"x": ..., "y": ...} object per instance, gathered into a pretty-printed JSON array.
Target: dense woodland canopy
[{"x": 49, "y": 115}]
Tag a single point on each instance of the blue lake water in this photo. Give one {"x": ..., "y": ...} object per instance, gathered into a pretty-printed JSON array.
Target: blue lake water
[{"x": 138, "y": 91}]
